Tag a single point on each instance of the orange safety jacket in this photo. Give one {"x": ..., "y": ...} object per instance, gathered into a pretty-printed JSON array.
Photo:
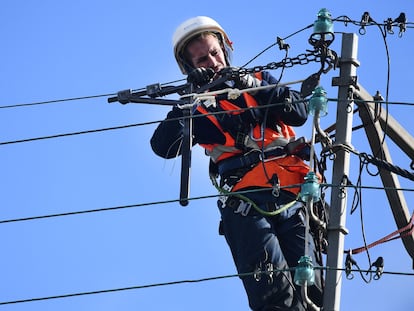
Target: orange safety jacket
[{"x": 290, "y": 169}]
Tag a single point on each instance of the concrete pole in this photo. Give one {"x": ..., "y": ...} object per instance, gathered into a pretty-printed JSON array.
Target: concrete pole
[{"x": 337, "y": 216}]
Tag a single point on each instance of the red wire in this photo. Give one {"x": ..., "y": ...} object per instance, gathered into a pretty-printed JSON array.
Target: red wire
[{"x": 402, "y": 232}]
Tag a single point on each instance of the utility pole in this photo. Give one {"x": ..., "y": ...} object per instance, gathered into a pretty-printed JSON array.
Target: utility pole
[{"x": 337, "y": 216}]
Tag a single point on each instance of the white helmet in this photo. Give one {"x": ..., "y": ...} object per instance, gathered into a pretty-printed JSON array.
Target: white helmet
[{"x": 193, "y": 27}]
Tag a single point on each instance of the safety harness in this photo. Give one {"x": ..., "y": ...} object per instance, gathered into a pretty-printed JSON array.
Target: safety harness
[
  {"x": 231, "y": 171},
  {"x": 249, "y": 139}
]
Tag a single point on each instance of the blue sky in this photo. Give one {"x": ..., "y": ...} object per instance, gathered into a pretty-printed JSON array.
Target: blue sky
[{"x": 54, "y": 50}]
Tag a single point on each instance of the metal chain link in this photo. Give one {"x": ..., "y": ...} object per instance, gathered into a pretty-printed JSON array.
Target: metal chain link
[{"x": 301, "y": 59}]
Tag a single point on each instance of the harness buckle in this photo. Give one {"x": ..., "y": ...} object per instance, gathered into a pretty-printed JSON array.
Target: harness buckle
[
  {"x": 275, "y": 185},
  {"x": 223, "y": 198},
  {"x": 241, "y": 140},
  {"x": 243, "y": 208}
]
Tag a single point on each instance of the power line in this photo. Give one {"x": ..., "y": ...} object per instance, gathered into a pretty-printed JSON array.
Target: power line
[
  {"x": 121, "y": 127},
  {"x": 158, "y": 121},
  {"x": 104, "y": 209},
  {"x": 126, "y": 206},
  {"x": 112, "y": 94},
  {"x": 200, "y": 280},
  {"x": 343, "y": 18},
  {"x": 98, "y": 210},
  {"x": 123, "y": 289},
  {"x": 55, "y": 101},
  {"x": 77, "y": 133},
  {"x": 73, "y": 98}
]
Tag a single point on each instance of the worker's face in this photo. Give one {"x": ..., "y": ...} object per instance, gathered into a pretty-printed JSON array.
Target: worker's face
[{"x": 207, "y": 52}]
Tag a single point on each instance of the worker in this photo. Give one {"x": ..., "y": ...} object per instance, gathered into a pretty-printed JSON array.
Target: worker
[{"x": 249, "y": 151}]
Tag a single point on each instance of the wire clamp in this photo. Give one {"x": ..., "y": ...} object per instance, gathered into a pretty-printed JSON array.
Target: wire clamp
[
  {"x": 379, "y": 264},
  {"x": 349, "y": 262}
]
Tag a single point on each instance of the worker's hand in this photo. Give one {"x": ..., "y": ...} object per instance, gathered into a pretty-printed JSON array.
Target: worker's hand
[
  {"x": 200, "y": 76},
  {"x": 245, "y": 81}
]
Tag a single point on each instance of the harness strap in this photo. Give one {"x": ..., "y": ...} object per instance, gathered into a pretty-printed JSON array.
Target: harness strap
[{"x": 249, "y": 160}]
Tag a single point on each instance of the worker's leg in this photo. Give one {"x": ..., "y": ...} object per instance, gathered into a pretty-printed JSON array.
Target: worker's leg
[{"x": 255, "y": 247}]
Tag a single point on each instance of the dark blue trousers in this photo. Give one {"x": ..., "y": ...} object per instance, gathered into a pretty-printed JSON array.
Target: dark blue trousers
[{"x": 260, "y": 243}]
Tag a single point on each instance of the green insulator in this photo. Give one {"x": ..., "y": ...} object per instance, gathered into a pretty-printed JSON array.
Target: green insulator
[
  {"x": 310, "y": 189},
  {"x": 318, "y": 103},
  {"x": 324, "y": 22},
  {"x": 304, "y": 273}
]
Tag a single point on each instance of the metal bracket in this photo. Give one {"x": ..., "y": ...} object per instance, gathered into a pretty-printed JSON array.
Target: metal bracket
[
  {"x": 352, "y": 61},
  {"x": 341, "y": 229},
  {"x": 351, "y": 80}
]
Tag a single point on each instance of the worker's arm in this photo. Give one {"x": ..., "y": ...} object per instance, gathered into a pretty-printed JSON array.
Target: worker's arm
[
  {"x": 293, "y": 112},
  {"x": 167, "y": 139}
]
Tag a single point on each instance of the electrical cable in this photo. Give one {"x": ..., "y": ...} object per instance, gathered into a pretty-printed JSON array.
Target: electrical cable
[
  {"x": 389, "y": 103},
  {"x": 77, "y": 98},
  {"x": 343, "y": 18},
  {"x": 262, "y": 129},
  {"x": 368, "y": 21},
  {"x": 124, "y": 289},
  {"x": 76, "y": 133},
  {"x": 387, "y": 89},
  {"x": 173, "y": 283},
  {"x": 55, "y": 101},
  {"x": 397, "y": 234},
  {"x": 158, "y": 121},
  {"x": 358, "y": 187},
  {"x": 361, "y": 218},
  {"x": 275, "y": 43},
  {"x": 135, "y": 205},
  {"x": 114, "y": 127},
  {"x": 369, "y": 187},
  {"x": 241, "y": 192}
]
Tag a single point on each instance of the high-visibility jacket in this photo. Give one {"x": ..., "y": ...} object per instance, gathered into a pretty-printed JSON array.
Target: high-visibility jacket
[{"x": 289, "y": 169}]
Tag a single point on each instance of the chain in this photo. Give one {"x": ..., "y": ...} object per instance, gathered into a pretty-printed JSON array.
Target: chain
[{"x": 301, "y": 59}]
